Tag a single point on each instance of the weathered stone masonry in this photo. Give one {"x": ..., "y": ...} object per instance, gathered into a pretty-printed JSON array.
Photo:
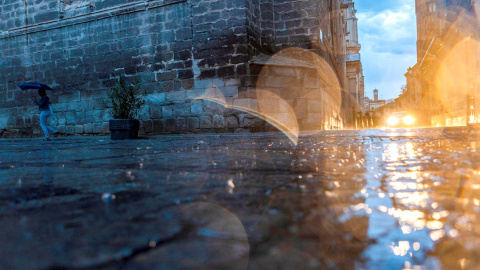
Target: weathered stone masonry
[{"x": 180, "y": 49}]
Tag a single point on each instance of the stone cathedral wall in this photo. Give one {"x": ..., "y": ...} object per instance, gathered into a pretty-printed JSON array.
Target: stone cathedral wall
[{"x": 180, "y": 49}]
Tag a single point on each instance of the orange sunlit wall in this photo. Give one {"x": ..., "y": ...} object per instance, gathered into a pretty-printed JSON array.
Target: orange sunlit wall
[{"x": 446, "y": 70}]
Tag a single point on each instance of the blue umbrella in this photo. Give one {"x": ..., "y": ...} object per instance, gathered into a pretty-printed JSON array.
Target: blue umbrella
[{"x": 34, "y": 85}]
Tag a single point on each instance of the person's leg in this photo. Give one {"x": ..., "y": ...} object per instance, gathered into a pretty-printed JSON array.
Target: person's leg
[
  {"x": 43, "y": 122},
  {"x": 52, "y": 129},
  {"x": 49, "y": 127}
]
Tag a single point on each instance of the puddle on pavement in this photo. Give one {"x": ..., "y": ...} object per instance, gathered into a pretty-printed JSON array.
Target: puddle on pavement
[{"x": 336, "y": 200}]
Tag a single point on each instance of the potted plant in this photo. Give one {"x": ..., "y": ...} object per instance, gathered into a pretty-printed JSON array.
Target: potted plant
[{"x": 124, "y": 102}]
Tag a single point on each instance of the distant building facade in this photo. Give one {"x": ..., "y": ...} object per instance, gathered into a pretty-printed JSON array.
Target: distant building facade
[
  {"x": 183, "y": 51},
  {"x": 410, "y": 98},
  {"x": 355, "y": 80},
  {"x": 376, "y": 103},
  {"x": 442, "y": 88},
  {"x": 376, "y": 111}
]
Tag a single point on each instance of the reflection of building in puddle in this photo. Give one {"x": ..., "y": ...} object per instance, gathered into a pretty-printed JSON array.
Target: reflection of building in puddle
[
  {"x": 216, "y": 240},
  {"x": 341, "y": 167},
  {"x": 458, "y": 244},
  {"x": 404, "y": 222},
  {"x": 300, "y": 226}
]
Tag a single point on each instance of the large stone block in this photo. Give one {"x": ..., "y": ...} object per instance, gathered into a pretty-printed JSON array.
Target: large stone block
[
  {"x": 101, "y": 116},
  {"x": 61, "y": 118},
  {"x": 228, "y": 91},
  {"x": 97, "y": 128},
  {"x": 167, "y": 111},
  {"x": 182, "y": 109},
  {"x": 61, "y": 129},
  {"x": 170, "y": 125},
  {"x": 155, "y": 111},
  {"x": 59, "y": 107},
  {"x": 155, "y": 98},
  {"x": 88, "y": 128},
  {"x": 90, "y": 116},
  {"x": 69, "y": 97},
  {"x": 310, "y": 82},
  {"x": 70, "y": 129},
  {"x": 71, "y": 118},
  {"x": 147, "y": 126},
  {"x": 203, "y": 84},
  {"x": 232, "y": 121},
  {"x": 197, "y": 107},
  {"x": 248, "y": 120},
  {"x": 219, "y": 121},
  {"x": 144, "y": 113},
  {"x": 232, "y": 82},
  {"x": 211, "y": 108},
  {"x": 315, "y": 106},
  {"x": 181, "y": 124},
  {"x": 194, "y": 94},
  {"x": 175, "y": 96},
  {"x": 206, "y": 121},
  {"x": 193, "y": 123},
  {"x": 246, "y": 103},
  {"x": 79, "y": 129},
  {"x": 158, "y": 125},
  {"x": 80, "y": 117},
  {"x": 105, "y": 128}
]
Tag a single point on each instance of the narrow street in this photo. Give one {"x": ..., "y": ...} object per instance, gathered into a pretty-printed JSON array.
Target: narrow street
[{"x": 371, "y": 199}]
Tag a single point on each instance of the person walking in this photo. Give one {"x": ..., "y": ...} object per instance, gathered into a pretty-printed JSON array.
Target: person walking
[{"x": 45, "y": 112}]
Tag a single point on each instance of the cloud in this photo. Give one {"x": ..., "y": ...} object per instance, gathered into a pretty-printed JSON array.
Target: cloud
[
  {"x": 388, "y": 30},
  {"x": 387, "y": 33}
]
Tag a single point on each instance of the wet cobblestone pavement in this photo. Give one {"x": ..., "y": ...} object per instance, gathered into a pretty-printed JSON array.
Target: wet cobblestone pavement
[{"x": 393, "y": 199}]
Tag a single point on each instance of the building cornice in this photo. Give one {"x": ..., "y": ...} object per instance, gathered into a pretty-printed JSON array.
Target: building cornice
[{"x": 95, "y": 15}]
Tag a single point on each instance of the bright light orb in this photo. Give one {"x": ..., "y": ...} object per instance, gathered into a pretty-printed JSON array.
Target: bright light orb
[
  {"x": 409, "y": 120},
  {"x": 392, "y": 121}
]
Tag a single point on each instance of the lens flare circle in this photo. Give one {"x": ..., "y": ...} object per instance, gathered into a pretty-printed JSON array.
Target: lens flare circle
[
  {"x": 307, "y": 84},
  {"x": 296, "y": 90}
]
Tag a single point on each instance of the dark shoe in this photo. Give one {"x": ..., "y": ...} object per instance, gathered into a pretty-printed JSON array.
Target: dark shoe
[{"x": 46, "y": 139}]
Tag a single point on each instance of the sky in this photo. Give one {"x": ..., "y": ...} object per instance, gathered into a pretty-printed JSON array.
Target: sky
[{"x": 387, "y": 34}]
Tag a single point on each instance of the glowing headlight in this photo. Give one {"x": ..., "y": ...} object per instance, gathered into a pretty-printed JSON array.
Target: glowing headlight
[
  {"x": 392, "y": 121},
  {"x": 408, "y": 120}
]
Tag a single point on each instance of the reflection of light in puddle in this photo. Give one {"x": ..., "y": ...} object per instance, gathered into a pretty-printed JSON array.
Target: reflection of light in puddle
[
  {"x": 408, "y": 216},
  {"x": 409, "y": 150},
  {"x": 406, "y": 229},
  {"x": 230, "y": 186},
  {"x": 437, "y": 235},
  {"x": 453, "y": 233},
  {"x": 413, "y": 198},
  {"x": 408, "y": 186},
  {"x": 383, "y": 209},
  {"x": 434, "y": 225},
  {"x": 413, "y": 231},
  {"x": 392, "y": 153},
  {"x": 439, "y": 215},
  {"x": 402, "y": 248}
]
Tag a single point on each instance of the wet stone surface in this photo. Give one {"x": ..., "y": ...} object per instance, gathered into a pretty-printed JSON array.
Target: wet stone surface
[{"x": 393, "y": 199}]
